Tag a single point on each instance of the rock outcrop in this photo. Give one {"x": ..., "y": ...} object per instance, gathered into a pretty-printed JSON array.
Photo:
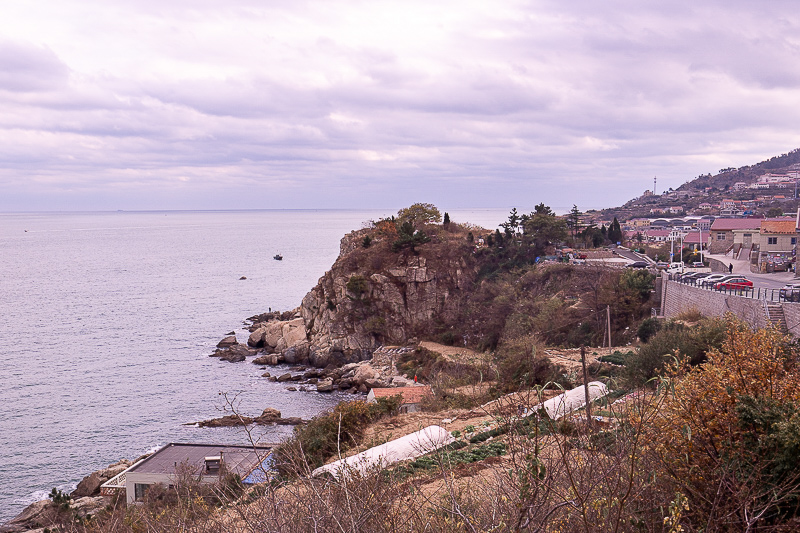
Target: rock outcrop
[
  {"x": 269, "y": 416},
  {"x": 370, "y": 297}
]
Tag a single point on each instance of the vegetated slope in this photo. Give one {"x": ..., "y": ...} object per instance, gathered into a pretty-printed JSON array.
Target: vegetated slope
[{"x": 375, "y": 294}]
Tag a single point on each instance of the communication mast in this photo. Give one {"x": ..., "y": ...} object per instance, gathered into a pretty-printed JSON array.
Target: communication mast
[{"x": 654, "y": 185}]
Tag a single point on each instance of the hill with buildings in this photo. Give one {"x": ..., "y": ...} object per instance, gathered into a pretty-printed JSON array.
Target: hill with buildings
[{"x": 768, "y": 188}]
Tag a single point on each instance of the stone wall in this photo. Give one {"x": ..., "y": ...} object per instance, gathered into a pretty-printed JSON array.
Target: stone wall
[
  {"x": 678, "y": 298},
  {"x": 791, "y": 311}
]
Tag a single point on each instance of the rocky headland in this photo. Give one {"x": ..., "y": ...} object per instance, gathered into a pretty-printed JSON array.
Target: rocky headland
[{"x": 371, "y": 305}]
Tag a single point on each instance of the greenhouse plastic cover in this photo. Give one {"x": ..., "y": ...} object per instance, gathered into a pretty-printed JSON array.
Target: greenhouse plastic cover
[
  {"x": 571, "y": 400},
  {"x": 409, "y": 447}
]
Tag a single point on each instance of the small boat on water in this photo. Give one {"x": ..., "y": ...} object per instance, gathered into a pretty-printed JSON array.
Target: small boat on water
[{"x": 278, "y": 257}]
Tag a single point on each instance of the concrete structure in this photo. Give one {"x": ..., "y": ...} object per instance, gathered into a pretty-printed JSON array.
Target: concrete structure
[
  {"x": 207, "y": 463},
  {"x": 677, "y": 298}
]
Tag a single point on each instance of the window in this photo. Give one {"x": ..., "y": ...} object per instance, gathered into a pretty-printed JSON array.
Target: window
[
  {"x": 139, "y": 490},
  {"x": 794, "y": 241},
  {"x": 720, "y": 236},
  {"x": 748, "y": 234},
  {"x": 772, "y": 240}
]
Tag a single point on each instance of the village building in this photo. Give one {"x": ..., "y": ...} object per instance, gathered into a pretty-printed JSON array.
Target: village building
[
  {"x": 721, "y": 235},
  {"x": 411, "y": 397},
  {"x": 208, "y": 463}
]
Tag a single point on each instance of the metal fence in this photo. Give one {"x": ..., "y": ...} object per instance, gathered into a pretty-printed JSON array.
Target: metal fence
[{"x": 757, "y": 293}]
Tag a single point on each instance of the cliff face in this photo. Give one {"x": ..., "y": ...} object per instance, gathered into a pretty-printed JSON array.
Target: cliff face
[{"x": 373, "y": 296}]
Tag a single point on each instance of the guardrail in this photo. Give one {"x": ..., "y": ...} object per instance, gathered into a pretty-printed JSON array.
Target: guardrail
[{"x": 756, "y": 293}]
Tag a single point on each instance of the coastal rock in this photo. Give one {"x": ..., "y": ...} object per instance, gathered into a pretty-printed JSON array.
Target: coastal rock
[
  {"x": 364, "y": 373},
  {"x": 227, "y": 342},
  {"x": 285, "y": 377},
  {"x": 33, "y": 516},
  {"x": 325, "y": 386},
  {"x": 256, "y": 338},
  {"x": 267, "y": 359},
  {"x": 235, "y": 354},
  {"x": 269, "y": 414}
]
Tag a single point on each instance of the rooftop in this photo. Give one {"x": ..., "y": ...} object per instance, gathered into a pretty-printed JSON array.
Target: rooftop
[
  {"x": 409, "y": 394},
  {"x": 778, "y": 226},
  {"x": 727, "y": 224},
  {"x": 240, "y": 460}
]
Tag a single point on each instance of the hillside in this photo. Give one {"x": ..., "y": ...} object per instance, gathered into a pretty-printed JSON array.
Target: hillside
[
  {"x": 449, "y": 288},
  {"x": 712, "y": 189}
]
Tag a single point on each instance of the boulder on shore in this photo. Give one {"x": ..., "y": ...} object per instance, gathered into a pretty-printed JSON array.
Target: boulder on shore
[
  {"x": 267, "y": 416},
  {"x": 90, "y": 485},
  {"x": 227, "y": 342},
  {"x": 326, "y": 385}
]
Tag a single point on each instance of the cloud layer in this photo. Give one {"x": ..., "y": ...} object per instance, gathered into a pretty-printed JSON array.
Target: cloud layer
[{"x": 210, "y": 104}]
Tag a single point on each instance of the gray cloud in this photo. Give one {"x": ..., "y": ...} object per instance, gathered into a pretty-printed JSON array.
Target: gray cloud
[{"x": 310, "y": 104}]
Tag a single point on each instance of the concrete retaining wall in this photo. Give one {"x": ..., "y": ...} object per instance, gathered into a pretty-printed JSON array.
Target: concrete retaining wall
[
  {"x": 678, "y": 298},
  {"x": 791, "y": 311}
]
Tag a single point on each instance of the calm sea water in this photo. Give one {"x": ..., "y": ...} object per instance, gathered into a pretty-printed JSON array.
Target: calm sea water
[{"x": 108, "y": 320}]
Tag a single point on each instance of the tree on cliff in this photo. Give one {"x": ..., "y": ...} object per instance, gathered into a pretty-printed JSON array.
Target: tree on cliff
[
  {"x": 418, "y": 215},
  {"x": 408, "y": 237}
]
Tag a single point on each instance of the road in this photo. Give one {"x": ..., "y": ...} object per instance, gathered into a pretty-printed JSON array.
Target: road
[{"x": 764, "y": 281}]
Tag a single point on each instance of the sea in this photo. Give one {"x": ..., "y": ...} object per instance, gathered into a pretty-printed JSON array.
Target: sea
[{"x": 107, "y": 320}]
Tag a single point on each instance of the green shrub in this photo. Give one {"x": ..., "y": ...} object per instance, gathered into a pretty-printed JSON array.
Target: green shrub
[
  {"x": 648, "y": 328},
  {"x": 674, "y": 338},
  {"x": 358, "y": 285}
]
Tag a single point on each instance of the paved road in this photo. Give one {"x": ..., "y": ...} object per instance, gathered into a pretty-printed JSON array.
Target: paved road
[{"x": 764, "y": 281}]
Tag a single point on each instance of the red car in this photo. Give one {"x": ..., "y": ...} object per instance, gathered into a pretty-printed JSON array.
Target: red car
[{"x": 734, "y": 283}]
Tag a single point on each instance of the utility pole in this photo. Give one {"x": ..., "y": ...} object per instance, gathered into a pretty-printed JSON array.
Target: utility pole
[
  {"x": 608, "y": 318},
  {"x": 586, "y": 388}
]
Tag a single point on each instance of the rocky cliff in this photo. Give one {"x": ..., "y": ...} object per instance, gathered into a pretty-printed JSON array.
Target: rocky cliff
[{"x": 372, "y": 296}]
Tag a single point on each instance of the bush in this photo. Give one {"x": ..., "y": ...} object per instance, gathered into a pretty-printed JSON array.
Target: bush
[
  {"x": 729, "y": 432},
  {"x": 358, "y": 285},
  {"x": 648, "y": 328},
  {"x": 674, "y": 340}
]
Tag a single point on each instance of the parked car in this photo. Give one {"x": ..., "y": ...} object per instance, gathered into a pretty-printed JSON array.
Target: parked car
[
  {"x": 661, "y": 265},
  {"x": 689, "y": 277},
  {"x": 698, "y": 264},
  {"x": 638, "y": 264},
  {"x": 713, "y": 279},
  {"x": 734, "y": 283},
  {"x": 697, "y": 277},
  {"x": 790, "y": 292}
]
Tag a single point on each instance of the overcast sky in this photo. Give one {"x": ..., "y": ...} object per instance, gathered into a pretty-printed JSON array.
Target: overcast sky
[{"x": 222, "y": 104}]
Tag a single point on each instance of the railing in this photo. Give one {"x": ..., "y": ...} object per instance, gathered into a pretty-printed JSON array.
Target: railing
[{"x": 756, "y": 293}]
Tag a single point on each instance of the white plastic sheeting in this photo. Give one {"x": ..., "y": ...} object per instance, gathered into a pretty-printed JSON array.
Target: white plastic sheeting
[
  {"x": 571, "y": 400},
  {"x": 409, "y": 447}
]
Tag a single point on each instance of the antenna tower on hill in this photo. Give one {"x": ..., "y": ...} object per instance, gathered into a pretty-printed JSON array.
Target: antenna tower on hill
[{"x": 654, "y": 185}]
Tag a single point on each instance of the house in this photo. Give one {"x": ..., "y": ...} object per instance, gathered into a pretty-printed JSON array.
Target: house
[
  {"x": 721, "y": 237},
  {"x": 705, "y": 205},
  {"x": 739, "y": 185},
  {"x": 206, "y": 462},
  {"x": 778, "y": 237},
  {"x": 657, "y": 235},
  {"x": 410, "y": 397}
]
